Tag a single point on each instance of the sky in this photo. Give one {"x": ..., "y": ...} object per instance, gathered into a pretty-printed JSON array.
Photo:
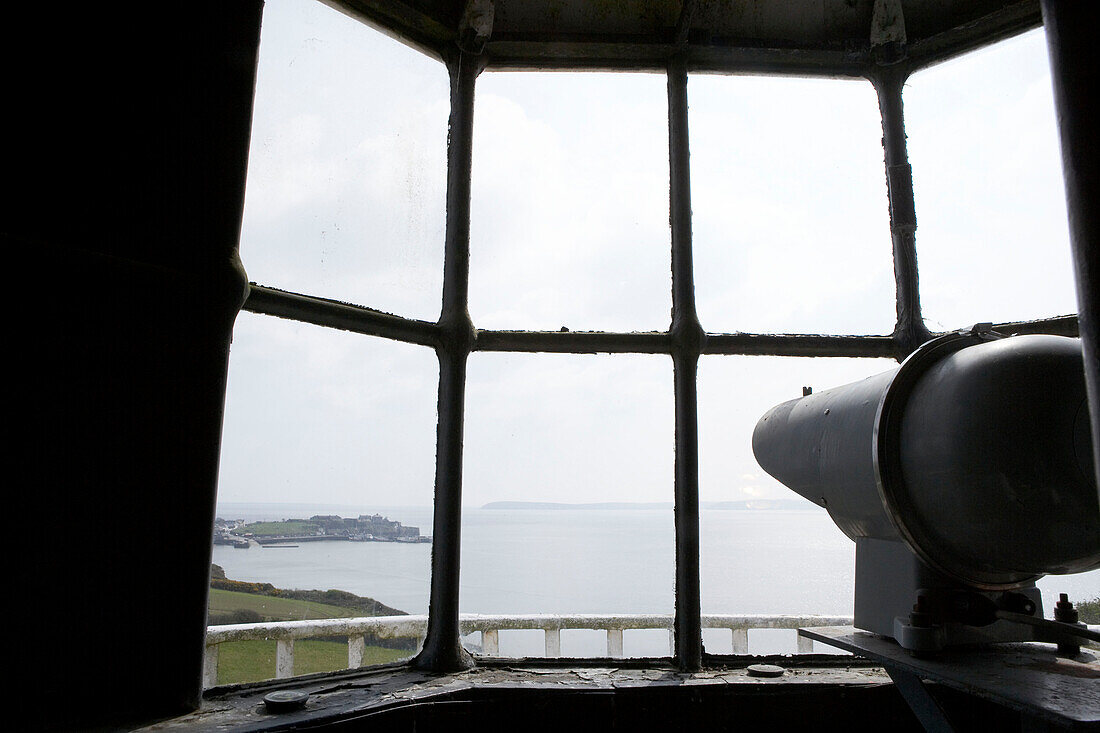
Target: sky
[{"x": 569, "y": 227}]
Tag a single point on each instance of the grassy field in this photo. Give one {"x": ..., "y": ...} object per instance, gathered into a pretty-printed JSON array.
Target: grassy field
[
  {"x": 272, "y": 608},
  {"x": 264, "y": 529},
  {"x": 252, "y": 661}
]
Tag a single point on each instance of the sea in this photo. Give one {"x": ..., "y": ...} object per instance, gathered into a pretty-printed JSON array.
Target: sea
[{"x": 590, "y": 560}]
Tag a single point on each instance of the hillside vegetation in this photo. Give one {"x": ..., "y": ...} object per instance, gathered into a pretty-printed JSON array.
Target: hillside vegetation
[{"x": 237, "y": 602}]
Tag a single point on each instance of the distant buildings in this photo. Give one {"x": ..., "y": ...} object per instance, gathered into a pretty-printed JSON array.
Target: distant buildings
[{"x": 364, "y": 528}]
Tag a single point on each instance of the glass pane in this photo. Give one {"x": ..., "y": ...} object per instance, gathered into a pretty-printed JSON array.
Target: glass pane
[
  {"x": 325, "y": 485},
  {"x": 570, "y": 202},
  {"x": 764, "y": 549},
  {"x": 992, "y": 237},
  {"x": 347, "y": 167},
  {"x": 567, "y": 495},
  {"x": 791, "y": 224}
]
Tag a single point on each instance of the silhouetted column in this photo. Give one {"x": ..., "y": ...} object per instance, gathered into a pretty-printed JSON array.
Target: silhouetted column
[
  {"x": 1071, "y": 40},
  {"x": 688, "y": 339},
  {"x": 443, "y": 650}
]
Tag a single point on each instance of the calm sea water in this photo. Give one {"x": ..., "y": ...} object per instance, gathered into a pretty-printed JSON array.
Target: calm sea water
[{"x": 589, "y": 561}]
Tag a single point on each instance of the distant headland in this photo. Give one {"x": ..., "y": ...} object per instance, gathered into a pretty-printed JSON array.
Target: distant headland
[
  {"x": 751, "y": 504},
  {"x": 318, "y": 528}
]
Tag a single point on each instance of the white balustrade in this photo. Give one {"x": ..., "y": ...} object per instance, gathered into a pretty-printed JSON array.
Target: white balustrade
[
  {"x": 357, "y": 646},
  {"x": 615, "y": 643},
  {"x": 284, "y": 659},
  {"x": 553, "y": 643},
  {"x": 490, "y": 644},
  {"x": 285, "y": 633}
]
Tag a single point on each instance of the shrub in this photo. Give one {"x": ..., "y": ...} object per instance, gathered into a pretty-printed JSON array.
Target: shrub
[
  {"x": 263, "y": 589},
  {"x": 1089, "y": 611}
]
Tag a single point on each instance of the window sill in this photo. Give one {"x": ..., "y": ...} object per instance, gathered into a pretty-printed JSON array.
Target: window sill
[{"x": 396, "y": 691}]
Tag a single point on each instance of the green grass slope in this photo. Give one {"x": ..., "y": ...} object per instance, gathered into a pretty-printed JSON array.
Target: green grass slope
[{"x": 252, "y": 661}]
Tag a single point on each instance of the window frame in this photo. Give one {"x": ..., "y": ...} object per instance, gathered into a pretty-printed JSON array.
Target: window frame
[{"x": 454, "y": 337}]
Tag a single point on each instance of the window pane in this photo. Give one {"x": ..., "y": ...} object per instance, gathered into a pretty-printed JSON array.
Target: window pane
[
  {"x": 347, "y": 166},
  {"x": 330, "y": 429},
  {"x": 764, "y": 549},
  {"x": 591, "y": 438},
  {"x": 790, "y": 217},
  {"x": 570, "y": 202},
  {"x": 992, "y": 238}
]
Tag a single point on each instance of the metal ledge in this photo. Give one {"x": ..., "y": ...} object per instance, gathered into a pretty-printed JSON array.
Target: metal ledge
[{"x": 356, "y": 695}]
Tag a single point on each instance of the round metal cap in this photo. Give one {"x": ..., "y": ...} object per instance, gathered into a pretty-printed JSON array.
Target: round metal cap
[
  {"x": 765, "y": 670},
  {"x": 281, "y": 701}
]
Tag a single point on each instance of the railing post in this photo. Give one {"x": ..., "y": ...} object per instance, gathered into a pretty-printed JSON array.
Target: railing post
[
  {"x": 552, "y": 642},
  {"x": 740, "y": 640},
  {"x": 284, "y": 659},
  {"x": 490, "y": 642},
  {"x": 614, "y": 643},
  {"x": 804, "y": 645},
  {"x": 210, "y": 666},
  {"x": 357, "y": 646},
  {"x": 672, "y": 642}
]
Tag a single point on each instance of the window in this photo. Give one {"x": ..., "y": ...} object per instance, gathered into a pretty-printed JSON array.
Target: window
[
  {"x": 565, "y": 495},
  {"x": 347, "y": 166},
  {"x": 345, "y": 200},
  {"x": 764, "y": 549},
  {"x": 583, "y": 242},
  {"x": 787, "y": 206},
  {"x": 776, "y": 229},
  {"x": 993, "y": 242}
]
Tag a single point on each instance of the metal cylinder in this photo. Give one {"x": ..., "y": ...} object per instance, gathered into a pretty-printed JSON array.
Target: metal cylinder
[{"x": 975, "y": 452}]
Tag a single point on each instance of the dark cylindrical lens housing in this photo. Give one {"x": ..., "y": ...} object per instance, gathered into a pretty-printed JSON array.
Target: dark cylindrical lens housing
[{"x": 975, "y": 452}]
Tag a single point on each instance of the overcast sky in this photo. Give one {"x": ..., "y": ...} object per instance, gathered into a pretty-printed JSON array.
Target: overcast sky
[{"x": 345, "y": 199}]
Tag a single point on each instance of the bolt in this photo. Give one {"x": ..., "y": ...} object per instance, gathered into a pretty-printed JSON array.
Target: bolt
[
  {"x": 1066, "y": 613},
  {"x": 921, "y": 617},
  {"x": 1064, "y": 610}
]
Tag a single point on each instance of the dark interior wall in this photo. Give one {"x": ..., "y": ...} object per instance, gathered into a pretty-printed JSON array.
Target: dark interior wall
[{"x": 128, "y": 155}]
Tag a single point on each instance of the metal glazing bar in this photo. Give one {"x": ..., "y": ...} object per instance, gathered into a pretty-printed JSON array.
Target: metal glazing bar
[
  {"x": 688, "y": 626},
  {"x": 1071, "y": 36},
  {"x": 910, "y": 331},
  {"x": 1056, "y": 326},
  {"x": 443, "y": 650},
  {"x": 344, "y": 316},
  {"x": 1004, "y": 22},
  {"x": 687, "y": 340},
  {"x": 359, "y": 319},
  {"x": 531, "y": 52},
  {"x": 683, "y": 23},
  {"x": 781, "y": 344},
  {"x": 574, "y": 342}
]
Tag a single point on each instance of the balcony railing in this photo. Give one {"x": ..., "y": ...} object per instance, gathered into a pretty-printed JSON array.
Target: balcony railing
[{"x": 285, "y": 633}]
